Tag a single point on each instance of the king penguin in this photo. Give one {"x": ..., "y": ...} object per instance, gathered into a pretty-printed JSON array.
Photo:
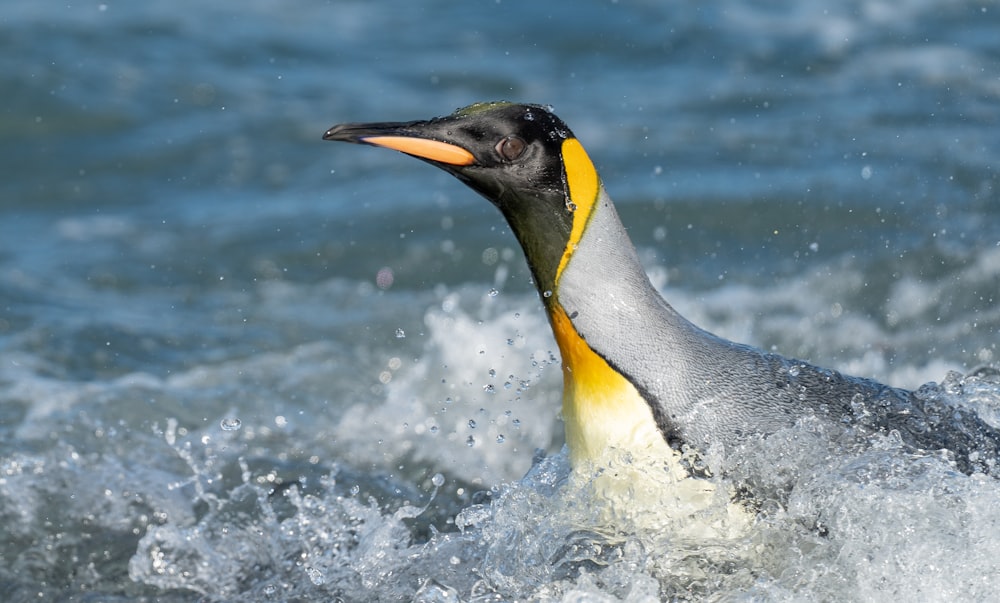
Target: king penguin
[{"x": 637, "y": 376}]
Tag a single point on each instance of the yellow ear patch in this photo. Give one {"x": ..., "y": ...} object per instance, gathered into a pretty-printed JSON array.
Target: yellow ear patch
[{"x": 583, "y": 184}]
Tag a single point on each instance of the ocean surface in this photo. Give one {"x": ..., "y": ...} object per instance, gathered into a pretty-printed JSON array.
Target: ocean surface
[{"x": 239, "y": 363}]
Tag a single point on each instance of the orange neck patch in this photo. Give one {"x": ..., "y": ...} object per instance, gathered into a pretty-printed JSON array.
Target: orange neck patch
[{"x": 601, "y": 409}]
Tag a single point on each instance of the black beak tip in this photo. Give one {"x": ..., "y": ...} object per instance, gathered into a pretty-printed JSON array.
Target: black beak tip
[{"x": 346, "y": 132}]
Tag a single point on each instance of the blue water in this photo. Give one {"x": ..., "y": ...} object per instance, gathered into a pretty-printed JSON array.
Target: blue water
[{"x": 208, "y": 394}]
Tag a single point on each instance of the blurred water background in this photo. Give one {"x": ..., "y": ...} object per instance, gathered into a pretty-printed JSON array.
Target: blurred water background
[{"x": 239, "y": 363}]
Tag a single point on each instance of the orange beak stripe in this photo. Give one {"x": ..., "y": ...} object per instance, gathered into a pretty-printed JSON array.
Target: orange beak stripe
[{"x": 433, "y": 150}]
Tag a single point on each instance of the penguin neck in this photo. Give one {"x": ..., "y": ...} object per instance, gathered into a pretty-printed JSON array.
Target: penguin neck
[
  {"x": 601, "y": 282},
  {"x": 603, "y": 410}
]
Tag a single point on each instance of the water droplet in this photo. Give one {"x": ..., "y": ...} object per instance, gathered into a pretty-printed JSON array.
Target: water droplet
[
  {"x": 794, "y": 371},
  {"x": 437, "y": 480},
  {"x": 230, "y": 424},
  {"x": 384, "y": 278},
  {"x": 493, "y": 373},
  {"x": 270, "y": 590},
  {"x": 516, "y": 423},
  {"x": 472, "y": 424},
  {"x": 489, "y": 389},
  {"x": 434, "y": 429},
  {"x": 493, "y": 292},
  {"x": 400, "y": 333},
  {"x": 500, "y": 438},
  {"x": 490, "y": 256},
  {"x": 315, "y": 576},
  {"x": 355, "y": 489},
  {"x": 470, "y": 442},
  {"x": 510, "y": 341},
  {"x": 547, "y": 293}
]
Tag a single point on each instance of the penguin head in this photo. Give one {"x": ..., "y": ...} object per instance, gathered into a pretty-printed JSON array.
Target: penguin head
[{"x": 522, "y": 158}]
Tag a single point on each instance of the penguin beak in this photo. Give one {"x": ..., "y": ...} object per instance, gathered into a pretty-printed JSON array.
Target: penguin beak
[{"x": 402, "y": 137}]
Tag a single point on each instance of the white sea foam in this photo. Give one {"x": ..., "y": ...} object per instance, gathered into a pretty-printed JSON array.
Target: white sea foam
[
  {"x": 484, "y": 372},
  {"x": 850, "y": 524}
]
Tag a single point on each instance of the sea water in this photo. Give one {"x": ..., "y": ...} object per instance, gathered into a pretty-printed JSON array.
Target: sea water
[{"x": 238, "y": 363}]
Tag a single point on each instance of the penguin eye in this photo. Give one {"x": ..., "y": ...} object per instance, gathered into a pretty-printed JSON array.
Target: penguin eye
[{"x": 511, "y": 147}]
